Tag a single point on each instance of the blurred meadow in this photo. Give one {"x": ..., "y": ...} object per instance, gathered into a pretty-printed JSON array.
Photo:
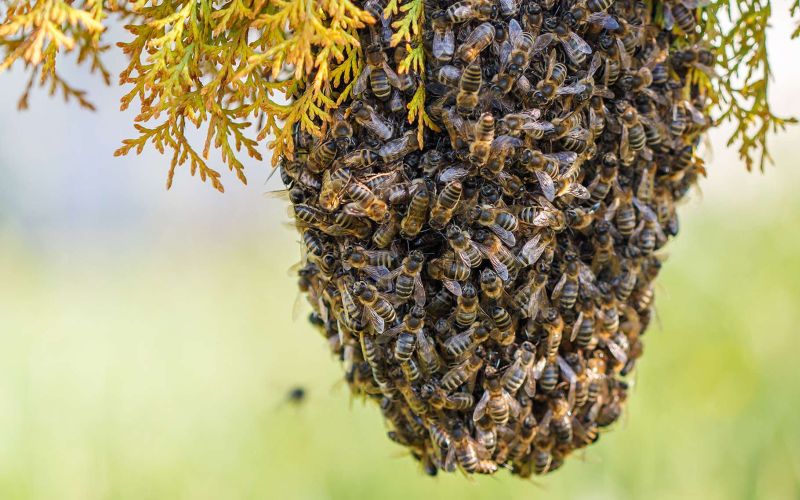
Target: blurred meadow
[{"x": 147, "y": 342}]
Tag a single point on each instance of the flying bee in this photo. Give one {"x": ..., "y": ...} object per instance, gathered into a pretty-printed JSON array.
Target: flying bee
[
  {"x": 554, "y": 77},
  {"x": 495, "y": 402},
  {"x": 377, "y": 309},
  {"x": 365, "y": 203},
  {"x": 468, "y": 87},
  {"x": 366, "y": 116},
  {"x": 478, "y": 39},
  {"x": 501, "y": 222},
  {"x": 577, "y": 276},
  {"x": 373, "y": 263},
  {"x": 484, "y": 134},
  {"x": 449, "y": 272},
  {"x": 462, "y": 372},
  {"x": 409, "y": 279},
  {"x": 378, "y": 73},
  {"x": 462, "y": 245},
  {"x": 467, "y": 306},
  {"x": 547, "y": 168},
  {"x": 520, "y": 372},
  {"x": 412, "y": 223},
  {"x": 501, "y": 258},
  {"x": 463, "y": 343},
  {"x": 467, "y": 453}
]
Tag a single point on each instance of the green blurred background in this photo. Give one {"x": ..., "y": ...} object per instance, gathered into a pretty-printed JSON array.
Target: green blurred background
[{"x": 147, "y": 341}]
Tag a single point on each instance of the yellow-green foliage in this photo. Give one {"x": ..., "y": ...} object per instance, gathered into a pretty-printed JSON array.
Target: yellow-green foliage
[{"x": 222, "y": 66}]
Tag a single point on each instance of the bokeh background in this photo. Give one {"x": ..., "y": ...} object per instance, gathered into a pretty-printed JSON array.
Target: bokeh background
[{"x": 147, "y": 340}]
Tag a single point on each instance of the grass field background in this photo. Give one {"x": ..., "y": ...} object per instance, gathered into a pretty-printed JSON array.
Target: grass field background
[{"x": 147, "y": 341}]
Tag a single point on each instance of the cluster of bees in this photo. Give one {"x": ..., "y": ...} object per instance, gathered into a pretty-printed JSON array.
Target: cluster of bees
[{"x": 489, "y": 290}]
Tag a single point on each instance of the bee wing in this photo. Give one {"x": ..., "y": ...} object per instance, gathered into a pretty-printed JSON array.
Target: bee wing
[
  {"x": 563, "y": 157},
  {"x": 616, "y": 351},
  {"x": 505, "y": 51},
  {"x": 452, "y": 174},
  {"x": 576, "y": 190},
  {"x": 587, "y": 279},
  {"x": 499, "y": 267},
  {"x": 450, "y": 459},
  {"x": 480, "y": 408},
  {"x": 669, "y": 19},
  {"x": 575, "y": 88},
  {"x": 541, "y": 43},
  {"x": 559, "y": 286},
  {"x": 361, "y": 82},
  {"x": 538, "y": 299},
  {"x": 375, "y": 320},
  {"x": 594, "y": 65},
  {"x": 544, "y": 218},
  {"x": 569, "y": 374},
  {"x": 444, "y": 43},
  {"x": 395, "y": 80},
  {"x": 453, "y": 287},
  {"x": 604, "y": 92},
  {"x": 576, "y": 327},
  {"x": 513, "y": 405},
  {"x": 532, "y": 250},
  {"x": 580, "y": 43},
  {"x": 377, "y": 273},
  {"x": 354, "y": 208},
  {"x": 603, "y": 19},
  {"x": 506, "y": 236},
  {"x": 547, "y": 185},
  {"x": 579, "y": 133},
  {"x": 514, "y": 31},
  {"x": 387, "y": 335},
  {"x": 624, "y": 57},
  {"x": 463, "y": 257},
  {"x": 419, "y": 291},
  {"x": 645, "y": 209},
  {"x": 534, "y": 372},
  {"x": 695, "y": 114},
  {"x": 624, "y": 144}
]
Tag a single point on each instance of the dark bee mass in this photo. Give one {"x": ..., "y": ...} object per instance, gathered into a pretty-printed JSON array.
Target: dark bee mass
[{"x": 489, "y": 289}]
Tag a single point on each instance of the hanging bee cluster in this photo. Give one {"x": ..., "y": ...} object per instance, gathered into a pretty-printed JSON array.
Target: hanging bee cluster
[{"x": 489, "y": 288}]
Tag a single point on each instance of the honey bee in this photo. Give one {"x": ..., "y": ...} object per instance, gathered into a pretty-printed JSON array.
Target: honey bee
[
  {"x": 439, "y": 399},
  {"x": 520, "y": 373},
  {"x": 541, "y": 245},
  {"x": 371, "y": 262},
  {"x": 365, "y": 115},
  {"x": 308, "y": 216},
  {"x": 574, "y": 46},
  {"x": 484, "y": 134},
  {"x": 462, "y": 372},
  {"x": 333, "y": 185},
  {"x": 520, "y": 48},
  {"x": 478, "y": 39},
  {"x": 503, "y": 332},
  {"x": 495, "y": 402},
  {"x": 584, "y": 328},
  {"x": 386, "y": 232},
  {"x": 409, "y": 280},
  {"x": 501, "y": 258},
  {"x": 345, "y": 224},
  {"x": 397, "y": 149},
  {"x": 491, "y": 286},
  {"x": 598, "y": 5},
  {"x": 585, "y": 88},
  {"x": 548, "y": 216},
  {"x": 547, "y": 168},
  {"x": 360, "y": 158},
  {"x": 501, "y": 149},
  {"x": 622, "y": 212},
  {"x": 581, "y": 14},
  {"x": 449, "y": 272},
  {"x": 444, "y": 40},
  {"x": 466, "y": 10},
  {"x": 365, "y": 203},
  {"x": 561, "y": 420},
  {"x": 468, "y": 87},
  {"x": 553, "y": 325},
  {"x": 445, "y": 205},
  {"x": 576, "y": 277},
  {"x": 682, "y": 15},
  {"x": 521, "y": 445},
  {"x": 500, "y": 222},
  {"x": 463, "y": 246},
  {"x": 412, "y": 223},
  {"x": 554, "y": 77},
  {"x": 601, "y": 185},
  {"x": 377, "y": 309},
  {"x": 467, "y": 453},
  {"x": 463, "y": 343},
  {"x": 532, "y": 296},
  {"x": 466, "y": 306},
  {"x": 378, "y": 73},
  {"x": 322, "y": 156}
]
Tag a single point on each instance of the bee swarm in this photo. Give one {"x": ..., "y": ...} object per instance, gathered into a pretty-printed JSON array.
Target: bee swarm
[{"x": 487, "y": 285}]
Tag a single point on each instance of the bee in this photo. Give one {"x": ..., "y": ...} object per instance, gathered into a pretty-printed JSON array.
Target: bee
[
  {"x": 503, "y": 332},
  {"x": 449, "y": 272},
  {"x": 561, "y": 420},
  {"x": 378, "y": 73},
  {"x": 365, "y": 203},
  {"x": 633, "y": 134},
  {"x": 409, "y": 280},
  {"x": 397, "y": 149},
  {"x": 681, "y": 14},
  {"x": 411, "y": 395},
  {"x": 360, "y": 158},
  {"x": 439, "y": 399},
  {"x": 365, "y": 115},
  {"x": 508, "y": 8},
  {"x": 386, "y": 232},
  {"x": 547, "y": 168},
  {"x": 478, "y": 39},
  {"x": 520, "y": 373},
  {"x": 549, "y": 376},
  {"x": 501, "y": 258},
  {"x": 308, "y": 216},
  {"x": 548, "y": 216},
  {"x": 626, "y": 281},
  {"x": 598, "y": 5},
  {"x": 349, "y": 225},
  {"x": 532, "y": 296},
  {"x": 521, "y": 445},
  {"x": 444, "y": 40},
  {"x": 495, "y": 402},
  {"x": 500, "y": 222},
  {"x": 412, "y": 223},
  {"x": 466, "y": 306},
  {"x": 468, "y": 87},
  {"x": 491, "y": 286},
  {"x": 371, "y": 262},
  {"x": 462, "y": 343},
  {"x": 377, "y": 309},
  {"x": 463, "y": 246},
  {"x": 333, "y": 186},
  {"x": 553, "y": 325},
  {"x": 584, "y": 328},
  {"x": 576, "y": 277},
  {"x": 322, "y": 156},
  {"x": 574, "y": 46},
  {"x": 501, "y": 148},
  {"x": 622, "y": 212},
  {"x": 462, "y": 372},
  {"x": 585, "y": 88},
  {"x": 466, "y": 10},
  {"x": 467, "y": 453},
  {"x": 521, "y": 47},
  {"x": 314, "y": 246},
  {"x": 606, "y": 177},
  {"x": 342, "y": 131},
  {"x": 554, "y": 77},
  {"x": 532, "y": 17},
  {"x": 484, "y": 134},
  {"x": 590, "y": 13}
]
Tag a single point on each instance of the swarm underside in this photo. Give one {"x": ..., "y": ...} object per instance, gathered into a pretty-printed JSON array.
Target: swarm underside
[{"x": 487, "y": 284}]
